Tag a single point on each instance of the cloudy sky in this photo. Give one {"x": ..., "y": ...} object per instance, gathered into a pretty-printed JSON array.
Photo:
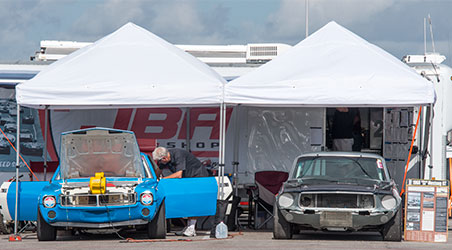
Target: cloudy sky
[{"x": 394, "y": 25}]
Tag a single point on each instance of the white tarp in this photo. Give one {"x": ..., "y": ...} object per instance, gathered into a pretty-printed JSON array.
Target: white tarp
[
  {"x": 332, "y": 67},
  {"x": 129, "y": 68}
]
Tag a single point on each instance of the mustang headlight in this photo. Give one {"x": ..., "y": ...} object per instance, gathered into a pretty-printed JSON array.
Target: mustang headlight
[
  {"x": 285, "y": 200},
  {"x": 146, "y": 198},
  {"x": 49, "y": 201},
  {"x": 388, "y": 202}
]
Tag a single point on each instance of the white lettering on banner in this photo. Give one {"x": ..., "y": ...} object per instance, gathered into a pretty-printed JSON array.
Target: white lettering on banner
[
  {"x": 183, "y": 144},
  {"x": 169, "y": 127},
  {"x": 10, "y": 164},
  {"x": 170, "y": 123}
]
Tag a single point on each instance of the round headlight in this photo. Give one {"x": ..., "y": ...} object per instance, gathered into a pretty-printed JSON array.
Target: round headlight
[
  {"x": 49, "y": 201},
  {"x": 388, "y": 202},
  {"x": 285, "y": 200},
  {"x": 146, "y": 199}
]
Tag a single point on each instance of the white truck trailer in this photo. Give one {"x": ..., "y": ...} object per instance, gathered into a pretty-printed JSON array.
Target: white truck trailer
[{"x": 431, "y": 66}]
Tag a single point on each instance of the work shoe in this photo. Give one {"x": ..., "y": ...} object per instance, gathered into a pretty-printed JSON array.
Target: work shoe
[{"x": 189, "y": 232}]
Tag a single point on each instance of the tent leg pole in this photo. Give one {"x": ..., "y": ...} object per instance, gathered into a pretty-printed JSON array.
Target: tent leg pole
[
  {"x": 17, "y": 169},
  {"x": 46, "y": 117},
  {"x": 236, "y": 152},
  {"x": 224, "y": 138},
  {"x": 426, "y": 141},
  {"x": 222, "y": 148},
  {"x": 430, "y": 166},
  {"x": 220, "y": 153},
  {"x": 421, "y": 138},
  {"x": 235, "y": 169}
]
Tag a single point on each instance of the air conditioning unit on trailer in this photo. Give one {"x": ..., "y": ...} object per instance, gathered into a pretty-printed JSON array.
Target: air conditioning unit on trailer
[{"x": 264, "y": 52}]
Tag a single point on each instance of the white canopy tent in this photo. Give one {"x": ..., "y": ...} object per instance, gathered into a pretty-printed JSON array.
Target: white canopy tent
[
  {"x": 332, "y": 67},
  {"x": 129, "y": 68}
]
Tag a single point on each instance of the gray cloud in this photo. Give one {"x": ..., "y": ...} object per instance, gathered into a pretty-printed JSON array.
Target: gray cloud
[
  {"x": 14, "y": 25},
  {"x": 24, "y": 23},
  {"x": 176, "y": 21},
  {"x": 105, "y": 17},
  {"x": 396, "y": 26},
  {"x": 288, "y": 22}
]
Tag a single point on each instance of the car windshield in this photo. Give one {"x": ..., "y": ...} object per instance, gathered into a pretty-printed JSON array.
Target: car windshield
[
  {"x": 112, "y": 152},
  {"x": 336, "y": 168}
]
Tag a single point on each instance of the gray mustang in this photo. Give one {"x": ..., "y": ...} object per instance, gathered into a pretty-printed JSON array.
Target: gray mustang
[{"x": 339, "y": 191}]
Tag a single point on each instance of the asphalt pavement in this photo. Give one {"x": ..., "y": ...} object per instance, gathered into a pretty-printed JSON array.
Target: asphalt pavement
[{"x": 236, "y": 240}]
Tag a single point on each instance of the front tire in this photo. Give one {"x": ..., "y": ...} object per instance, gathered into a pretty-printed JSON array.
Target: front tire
[
  {"x": 392, "y": 231},
  {"x": 45, "y": 231},
  {"x": 157, "y": 227},
  {"x": 281, "y": 229}
]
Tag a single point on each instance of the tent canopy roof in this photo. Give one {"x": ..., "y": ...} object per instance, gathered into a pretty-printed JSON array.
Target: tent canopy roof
[
  {"x": 129, "y": 68},
  {"x": 332, "y": 67}
]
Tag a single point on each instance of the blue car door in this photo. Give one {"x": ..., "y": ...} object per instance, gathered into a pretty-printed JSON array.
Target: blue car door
[
  {"x": 187, "y": 197},
  {"x": 29, "y": 192}
]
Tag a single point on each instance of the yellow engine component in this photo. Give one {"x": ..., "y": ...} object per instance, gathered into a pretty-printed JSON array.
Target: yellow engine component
[{"x": 98, "y": 184}]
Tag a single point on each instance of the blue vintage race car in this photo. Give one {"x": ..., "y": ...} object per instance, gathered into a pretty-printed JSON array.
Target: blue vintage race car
[{"x": 103, "y": 181}]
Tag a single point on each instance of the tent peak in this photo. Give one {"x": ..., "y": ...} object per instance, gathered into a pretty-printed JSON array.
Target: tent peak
[
  {"x": 129, "y": 25},
  {"x": 331, "y": 23},
  {"x": 332, "y": 32}
]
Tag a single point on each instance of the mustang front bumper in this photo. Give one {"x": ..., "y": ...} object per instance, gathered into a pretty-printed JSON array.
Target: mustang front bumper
[
  {"x": 99, "y": 217},
  {"x": 337, "y": 218}
]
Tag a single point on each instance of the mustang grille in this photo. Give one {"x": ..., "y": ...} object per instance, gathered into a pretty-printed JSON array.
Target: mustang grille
[
  {"x": 337, "y": 200},
  {"x": 83, "y": 200}
]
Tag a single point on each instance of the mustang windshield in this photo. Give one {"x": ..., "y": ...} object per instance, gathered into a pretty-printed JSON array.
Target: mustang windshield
[
  {"x": 114, "y": 153},
  {"x": 336, "y": 168}
]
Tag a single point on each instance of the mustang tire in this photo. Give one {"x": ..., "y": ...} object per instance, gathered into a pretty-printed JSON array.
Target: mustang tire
[
  {"x": 281, "y": 229},
  {"x": 157, "y": 227},
  {"x": 392, "y": 231},
  {"x": 45, "y": 231}
]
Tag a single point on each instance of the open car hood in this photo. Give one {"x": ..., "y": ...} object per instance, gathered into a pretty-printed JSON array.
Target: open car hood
[{"x": 87, "y": 151}]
